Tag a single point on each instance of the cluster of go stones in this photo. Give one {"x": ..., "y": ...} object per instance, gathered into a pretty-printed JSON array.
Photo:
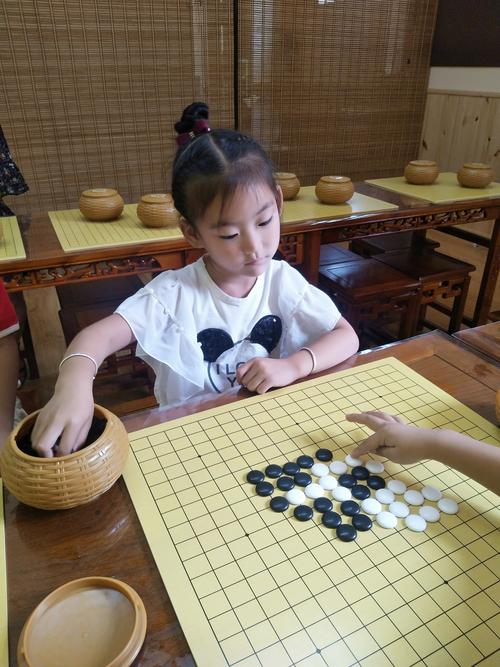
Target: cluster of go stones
[{"x": 364, "y": 495}]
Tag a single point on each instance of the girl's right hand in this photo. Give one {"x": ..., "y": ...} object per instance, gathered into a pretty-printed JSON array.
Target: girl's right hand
[{"x": 63, "y": 424}]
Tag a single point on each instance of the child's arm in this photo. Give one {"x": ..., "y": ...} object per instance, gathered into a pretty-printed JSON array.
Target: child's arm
[
  {"x": 9, "y": 365},
  {"x": 262, "y": 373},
  {"x": 69, "y": 412},
  {"x": 408, "y": 444}
]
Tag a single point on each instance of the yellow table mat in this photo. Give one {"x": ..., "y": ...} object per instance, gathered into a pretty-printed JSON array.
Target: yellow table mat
[
  {"x": 11, "y": 243},
  {"x": 445, "y": 189},
  {"x": 76, "y": 233},
  {"x": 4, "y": 643},
  {"x": 307, "y": 207}
]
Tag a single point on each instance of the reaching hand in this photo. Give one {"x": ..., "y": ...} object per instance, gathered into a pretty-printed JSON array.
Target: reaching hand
[
  {"x": 392, "y": 439},
  {"x": 261, "y": 373}
]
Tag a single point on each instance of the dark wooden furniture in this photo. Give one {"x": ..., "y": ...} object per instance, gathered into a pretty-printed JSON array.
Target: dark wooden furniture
[
  {"x": 440, "y": 277},
  {"x": 367, "y": 293},
  {"x": 485, "y": 339},
  {"x": 46, "y": 264},
  {"x": 391, "y": 243},
  {"x": 47, "y": 549},
  {"x": 333, "y": 254}
]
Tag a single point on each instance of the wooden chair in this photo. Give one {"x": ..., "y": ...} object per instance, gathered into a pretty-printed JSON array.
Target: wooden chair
[
  {"x": 371, "y": 297},
  {"x": 440, "y": 277},
  {"x": 330, "y": 253},
  {"x": 386, "y": 243}
]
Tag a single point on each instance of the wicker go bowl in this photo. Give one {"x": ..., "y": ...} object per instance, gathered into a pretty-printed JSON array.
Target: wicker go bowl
[{"x": 65, "y": 481}]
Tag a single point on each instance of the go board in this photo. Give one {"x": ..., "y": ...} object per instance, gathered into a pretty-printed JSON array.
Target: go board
[
  {"x": 252, "y": 587},
  {"x": 306, "y": 206},
  {"x": 4, "y": 643},
  {"x": 11, "y": 243},
  {"x": 445, "y": 189},
  {"x": 77, "y": 233}
]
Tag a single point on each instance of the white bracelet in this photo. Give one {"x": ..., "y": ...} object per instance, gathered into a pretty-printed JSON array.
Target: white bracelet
[
  {"x": 313, "y": 358},
  {"x": 81, "y": 354}
]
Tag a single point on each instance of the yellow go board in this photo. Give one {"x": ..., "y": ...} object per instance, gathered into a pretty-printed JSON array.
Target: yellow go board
[
  {"x": 76, "y": 233},
  {"x": 252, "y": 587},
  {"x": 11, "y": 243},
  {"x": 306, "y": 206},
  {"x": 445, "y": 189}
]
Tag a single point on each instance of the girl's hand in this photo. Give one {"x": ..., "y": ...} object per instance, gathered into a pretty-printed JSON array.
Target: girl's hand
[
  {"x": 63, "y": 424},
  {"x": 262, "y": 373},
  {"x": 393, "y": 439}
]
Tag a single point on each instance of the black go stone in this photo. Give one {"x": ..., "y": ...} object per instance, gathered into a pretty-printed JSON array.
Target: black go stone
[
  {"x": 331, "y": 519},
  {"x": 255, "y": 476},
  {"x": 279, "y": 504},
  {"x": 264, "y": 489},
  {"x": 305, "y": 461},
  {"x": 360, "y": 492},
  {"x": 375, "y": 482},
  {"x": 324, "y": 455},
  {"x": 346, "y": 532},
  {"x": 323, "y": 504},
  {"x": 349, "y": 508},
  {"x": 360, "y": 472},
  {"x": 291, "y": 468},
  {"x": 302, "y": 479},
  {"x": 347, "y": 480},
  {"x": 361, "y": 522},
  {"x": 303, "y": 512},
  {"x": 274, "y": 471},
  {"x": 285, "y": 483}
]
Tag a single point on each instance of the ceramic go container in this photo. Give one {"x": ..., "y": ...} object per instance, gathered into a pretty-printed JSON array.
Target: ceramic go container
[
  {"x": 67, "y": 481},
  {"x": 334, "y": 189},
  {"x": 475, "y": 175},
  {"x": 421, "y": 172},
  {"x": 158, "y": 210},
  {"x": 289, "y": 184},
  {"x": 90, "y": 622},
  {"x": 101, "y": 204}
]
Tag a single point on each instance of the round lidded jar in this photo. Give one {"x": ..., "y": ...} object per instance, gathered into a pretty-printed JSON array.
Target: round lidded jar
[
  {"x": 289, "y": 184},
  {"x": 421, "y": 172},
  {"x": 334, "y": 189},
  {"x": 158, "y": 210},
  {"x": 475, "y": 175},
  {"x": 90, "y": 621},
  {"x": 101, "y": 204}
]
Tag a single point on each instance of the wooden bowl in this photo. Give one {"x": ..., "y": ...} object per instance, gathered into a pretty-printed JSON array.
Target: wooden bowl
[
  {"x": 89, "y": 621},
  {"x": 289, "y": 184},
  {"x": 65, "y": 481},
  {"x": 101, "y": 204},
  {"x": 421, "y": 172},
  {"x": 334, "y": 189},
  {"x": 158, "y": 210},
  {"x": 475, "y": 175}
]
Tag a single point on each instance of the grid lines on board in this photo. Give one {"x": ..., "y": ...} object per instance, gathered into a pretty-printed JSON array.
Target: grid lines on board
[{"x": 252, "y": 587}]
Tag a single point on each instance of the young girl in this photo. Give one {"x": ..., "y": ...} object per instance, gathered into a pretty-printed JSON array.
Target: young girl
[{"x": 234, "y": 317}]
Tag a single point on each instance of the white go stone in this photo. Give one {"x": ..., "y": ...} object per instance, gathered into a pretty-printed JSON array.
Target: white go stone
[
  {"x": 295, "y": 496},
  {"x": 327, "y": 482},
  {"x": 314, "y": 491},
  {"x": 448, "y": 505},
  {"x": 416, "y": 523},
  {"x": 351, "y": 461},
  {"x": 431, "y": 493},
  {"x": 374, "y": 466},
  {"x": 413, "y": 497},
  {"x": 338, "y": 467},
  {"x": 396, "y": 486},
  {"x": 319, "y": 469},
  {"x": 384, "y": 496},
  {"x": 399, "y": 509},
  {"x": 429, "y": 513},
  {"x": 341, "y": 493},
  {"x": 386, "y": 520},
  {"x": 371, "y": 506}
]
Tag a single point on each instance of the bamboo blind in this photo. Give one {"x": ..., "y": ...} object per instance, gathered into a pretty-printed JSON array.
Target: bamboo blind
[
  {"x": 335, "y": 86},
  {"x": 91, "y": 90}
]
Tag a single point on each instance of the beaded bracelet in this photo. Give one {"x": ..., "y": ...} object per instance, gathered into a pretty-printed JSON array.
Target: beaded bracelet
[
  {"x": 313, "y": 358},
  {"x": 81, "y": 354}
]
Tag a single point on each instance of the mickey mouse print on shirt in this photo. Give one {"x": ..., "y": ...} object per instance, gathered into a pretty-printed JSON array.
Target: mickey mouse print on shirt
[{"x": 224, "y": 357}]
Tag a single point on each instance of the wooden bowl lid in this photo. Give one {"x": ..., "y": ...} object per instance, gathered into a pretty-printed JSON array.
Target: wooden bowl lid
[
  {"x": 284, "y": 175},
  {"x": 158, "y": 198},
  {"x": 423, "y": 163},
  {"x": 335, "y": 179},
  {"x": 476, "y": 165},
  {"x": 84, "y": 623},
  {"x": 96, "y": 193}
]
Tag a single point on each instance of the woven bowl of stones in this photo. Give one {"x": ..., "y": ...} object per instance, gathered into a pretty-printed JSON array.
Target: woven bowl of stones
[
  {"x": 101, "y": 204},
  {"x": 67, "y": 481}
]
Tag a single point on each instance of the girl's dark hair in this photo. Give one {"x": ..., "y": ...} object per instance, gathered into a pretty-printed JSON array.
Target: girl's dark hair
[{"x": 214, "y": 163}]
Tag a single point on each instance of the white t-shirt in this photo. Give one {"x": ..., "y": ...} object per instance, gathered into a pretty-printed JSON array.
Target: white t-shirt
[{"x": 195, "y": 336}]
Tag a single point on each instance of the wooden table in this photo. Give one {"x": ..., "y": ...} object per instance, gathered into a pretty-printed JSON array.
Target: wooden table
[
  {"x": 47, "y": 549},
  {"x": 46, "y": 264},
  {"x": 486, "y": 339}
]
